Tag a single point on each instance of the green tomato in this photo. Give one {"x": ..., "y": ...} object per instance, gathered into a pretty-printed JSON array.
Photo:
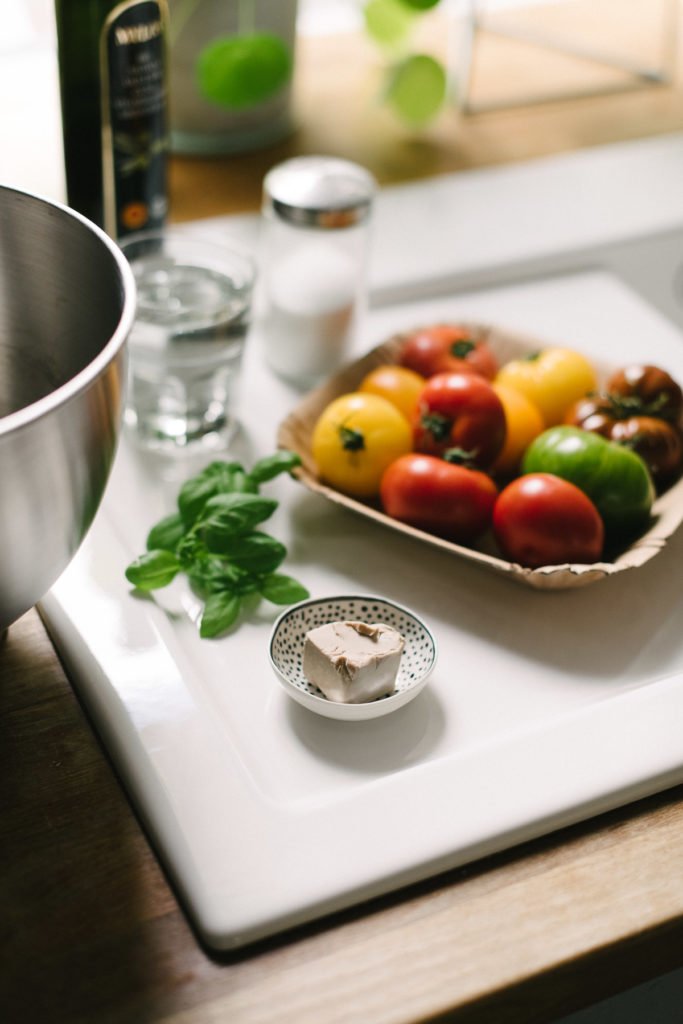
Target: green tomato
[{"x": 615, "y": 478}]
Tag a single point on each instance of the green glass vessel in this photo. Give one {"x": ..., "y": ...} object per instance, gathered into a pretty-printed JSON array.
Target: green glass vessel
[{"x": 113, "y": 85}]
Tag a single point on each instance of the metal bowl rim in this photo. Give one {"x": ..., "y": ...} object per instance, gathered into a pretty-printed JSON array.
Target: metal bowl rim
[{"x": 81, "y": 380}]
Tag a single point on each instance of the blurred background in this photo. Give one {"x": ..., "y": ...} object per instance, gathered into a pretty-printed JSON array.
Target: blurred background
[{"x": 510, "y": 71}]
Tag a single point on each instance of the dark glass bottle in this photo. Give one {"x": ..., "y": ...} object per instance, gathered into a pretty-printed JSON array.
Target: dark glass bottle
[{"x": 113, "y": 83}]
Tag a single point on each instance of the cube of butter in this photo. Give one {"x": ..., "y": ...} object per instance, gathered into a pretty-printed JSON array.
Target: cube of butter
[{"x": 353, "y": 662}]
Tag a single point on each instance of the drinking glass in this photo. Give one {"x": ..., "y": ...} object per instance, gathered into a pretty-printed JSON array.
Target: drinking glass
[{"x": 194, "y": 298}]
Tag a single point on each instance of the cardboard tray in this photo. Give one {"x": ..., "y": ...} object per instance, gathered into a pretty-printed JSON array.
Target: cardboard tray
[{"x": 294, "y": 433}]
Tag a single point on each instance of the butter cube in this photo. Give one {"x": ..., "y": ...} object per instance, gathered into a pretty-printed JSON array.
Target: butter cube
[{"x": 353, "y": 662}]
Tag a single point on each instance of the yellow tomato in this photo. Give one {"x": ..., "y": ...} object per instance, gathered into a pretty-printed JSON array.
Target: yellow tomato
[
  {"x": 553, "y": 379},
  {"x": 397, "y": 384},
  {"x": 354, "y": 440},
  {"x": 523, "y": 422}
]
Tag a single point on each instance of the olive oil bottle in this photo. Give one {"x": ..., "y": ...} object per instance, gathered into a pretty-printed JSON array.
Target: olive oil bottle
[{"x": 113, "y": 85}]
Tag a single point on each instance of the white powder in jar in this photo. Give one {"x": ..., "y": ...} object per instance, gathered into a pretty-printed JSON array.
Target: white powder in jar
[{"x": 311, "y": 303}]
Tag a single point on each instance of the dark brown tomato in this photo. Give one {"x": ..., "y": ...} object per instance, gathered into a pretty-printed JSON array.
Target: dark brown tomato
[
  {"x": 656, "y": 441},
  {"x": 594, "y": 413},
  {"x": 653, "y": 391}
]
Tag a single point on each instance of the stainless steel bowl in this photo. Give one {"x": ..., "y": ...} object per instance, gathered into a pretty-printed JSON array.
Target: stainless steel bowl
[{"x": 67, "y": 302}]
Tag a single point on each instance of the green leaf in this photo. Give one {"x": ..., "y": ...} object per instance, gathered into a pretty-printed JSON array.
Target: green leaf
[
  {"x": 282, "y": 589},
  {"x": 213, "y": 576},
  {"x": 248, "y": 584},
  {"x": 166, "y": 534},
  {"x": 216, "y": 478},
  {"x": 241, "y": 71},
  {"x": 213, "y": 540},
  {"x": 190, "y": 548},
  {"x": 244, "y": 483},
  {"x": 388, "y": 22},
  {"x": 153, "y": 570},
  {"x": 253, "y": 552},
  {"x": 417, "y": 89},
  {"x": 273, "y": 465},
  {"x": 220, "y": 612},
  {"x": 229, "y": 514}
]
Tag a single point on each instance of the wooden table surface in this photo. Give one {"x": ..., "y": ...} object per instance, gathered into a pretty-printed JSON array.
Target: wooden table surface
[{"x": 91, "y": 930}]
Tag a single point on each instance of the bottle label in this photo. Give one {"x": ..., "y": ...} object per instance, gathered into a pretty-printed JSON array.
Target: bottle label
[{"x": 134, "y": 122}]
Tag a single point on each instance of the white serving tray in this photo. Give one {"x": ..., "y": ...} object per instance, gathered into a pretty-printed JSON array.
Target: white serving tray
[{"x": 544, "y": 708}]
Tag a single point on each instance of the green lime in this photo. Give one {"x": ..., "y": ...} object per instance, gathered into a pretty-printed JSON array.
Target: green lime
[
  {"x": 241, "y": 71},
  {"x": 417, "y": 89},
  {"x": 388, "y": 22},
  {"x": 419, "y": 5}
]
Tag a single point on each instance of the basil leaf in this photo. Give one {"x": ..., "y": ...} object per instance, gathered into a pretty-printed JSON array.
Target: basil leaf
[
  {"x": 247, "y": 584},
  {"x": 212, "y": 539},
  {"x": 254, "y": 552},
  {"x": 226, "y": 514},
  {"x": 153, "y": 570},
  {"x": 244, "y": 483},
  {"x": 220, "y": 612},
  {"x": 190, "y": 549},
  {"x": 166, "y": 534},
  {"x": 270, "y": 467},
  {"x": 282, "y": 589},
  {"x": 212, "y": 576},
  {"x": 216, "y": 478}
]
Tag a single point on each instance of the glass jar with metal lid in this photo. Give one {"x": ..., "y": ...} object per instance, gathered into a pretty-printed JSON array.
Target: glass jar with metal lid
[{"x": 316, "y": 217}]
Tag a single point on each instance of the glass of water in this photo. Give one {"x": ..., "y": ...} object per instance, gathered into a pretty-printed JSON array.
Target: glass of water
[{"x": 194, "y": 299}]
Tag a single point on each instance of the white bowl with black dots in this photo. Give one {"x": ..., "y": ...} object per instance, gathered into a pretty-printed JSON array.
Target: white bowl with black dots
[{"x": 287, "y": 651}]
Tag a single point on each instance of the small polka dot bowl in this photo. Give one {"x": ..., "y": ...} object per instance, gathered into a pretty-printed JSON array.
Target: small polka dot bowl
[{"x": 287, "y": 651}]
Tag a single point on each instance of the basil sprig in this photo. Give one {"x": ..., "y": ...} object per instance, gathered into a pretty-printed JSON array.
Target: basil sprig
[{"x": 213, "y": 539}]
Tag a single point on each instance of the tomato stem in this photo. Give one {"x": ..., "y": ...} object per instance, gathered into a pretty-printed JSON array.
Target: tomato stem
[
  {"x": 624, "y": 406},
  {"x": 351, "y": 440},
  {"x": 437, "y": 425},
  {"x": 459, "y": 457},
  {"x": 462, "y": 348}
]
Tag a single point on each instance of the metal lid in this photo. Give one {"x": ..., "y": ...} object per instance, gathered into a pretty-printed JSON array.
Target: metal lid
[{"x": 319, "y": 191}]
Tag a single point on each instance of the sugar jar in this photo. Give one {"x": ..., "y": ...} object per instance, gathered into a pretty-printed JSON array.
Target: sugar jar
[{"x": 314, "y": 254}]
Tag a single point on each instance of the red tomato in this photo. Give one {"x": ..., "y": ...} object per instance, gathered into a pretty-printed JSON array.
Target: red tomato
[
  {"x": 540, "y": 519},
  {"x": 448, "y": 348},
  {"x": 460, "y": 410},
  {"x": 439, "y": 497}
]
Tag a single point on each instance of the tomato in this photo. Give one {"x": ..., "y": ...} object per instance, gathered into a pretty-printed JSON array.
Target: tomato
[
  {"x": 615, "y": 478},
  {"x": 460, "y": 410},
  {"x": 649, "y": 390},
  {"x": 657, "y": 441},
  {"x": 397, "y": 384},
  {"x": 593, "y": 412},
  {"x": 439, "y": 497},
  {"x": 523, "y": 422},
  {"x": 448, "y": 348},
  {"x": 553, "y": 379},
  {"x": 540, "y": 519},
  {"x": 354, "y": 440}
]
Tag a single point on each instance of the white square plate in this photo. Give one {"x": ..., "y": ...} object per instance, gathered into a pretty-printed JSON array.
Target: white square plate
[{"x": 544, "y": 708}]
